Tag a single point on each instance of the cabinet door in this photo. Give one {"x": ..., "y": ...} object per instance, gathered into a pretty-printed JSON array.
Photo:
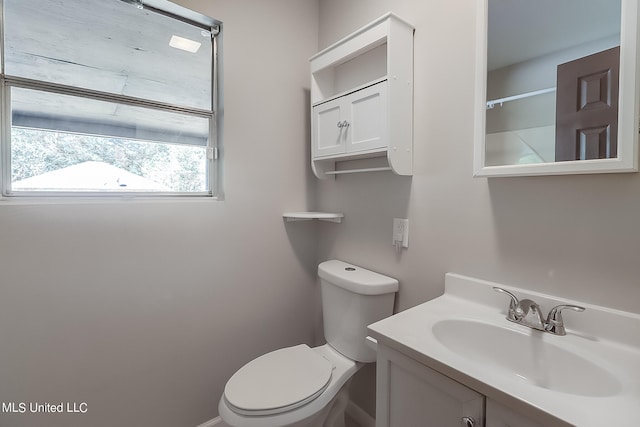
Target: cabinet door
[
  {"x": 328, "y": 128},
  {"x": 410, "y": 394},
  {"x": 367, "y": 118},
  {"x": 501, "y": 416}
]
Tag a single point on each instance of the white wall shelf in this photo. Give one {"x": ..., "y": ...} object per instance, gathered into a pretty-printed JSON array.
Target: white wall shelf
[
  {"x": 355, "y": 84},
  {"x": 307, "y": 216}
]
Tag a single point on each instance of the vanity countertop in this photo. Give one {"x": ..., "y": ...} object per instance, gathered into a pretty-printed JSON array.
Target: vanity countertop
[{"x": 588, "y": 378}]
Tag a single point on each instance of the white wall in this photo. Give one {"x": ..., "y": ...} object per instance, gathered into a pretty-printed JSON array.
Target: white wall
[
  {"x": 573, "y": 236},
  {"x": 144, "y": 310}
]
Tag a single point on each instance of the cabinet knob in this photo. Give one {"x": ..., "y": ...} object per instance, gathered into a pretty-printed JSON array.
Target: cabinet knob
[
  {"x": 340, "y": 124},
  {"x": 345, "y": 124},
  {"x": 468, "y": 422}
]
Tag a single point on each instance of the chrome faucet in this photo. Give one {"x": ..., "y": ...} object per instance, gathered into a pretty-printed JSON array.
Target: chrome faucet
[
  {"x": 530, "y": 315},
  {"x": 527, "y": 312}
]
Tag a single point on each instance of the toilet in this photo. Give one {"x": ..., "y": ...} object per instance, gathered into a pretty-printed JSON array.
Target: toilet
[{"x": 308, "y": 387}]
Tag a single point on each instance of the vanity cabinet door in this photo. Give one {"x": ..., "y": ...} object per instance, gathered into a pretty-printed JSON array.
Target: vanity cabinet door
[
  {"x": 501, "y": 416},
  {"x": 411, "y": 394}
]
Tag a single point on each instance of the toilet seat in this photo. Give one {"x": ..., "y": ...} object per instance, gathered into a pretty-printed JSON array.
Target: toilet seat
[{"x": 278, "y": 381}]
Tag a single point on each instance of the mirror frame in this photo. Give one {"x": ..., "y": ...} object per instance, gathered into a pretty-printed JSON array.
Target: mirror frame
[{"x": 628, "y": 112}]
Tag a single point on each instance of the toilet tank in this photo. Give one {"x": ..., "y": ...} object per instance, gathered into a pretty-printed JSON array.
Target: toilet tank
[{"x": 352, "y": 299}]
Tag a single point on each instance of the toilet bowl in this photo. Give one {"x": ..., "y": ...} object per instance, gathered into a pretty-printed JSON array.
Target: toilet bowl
[
  {"x": 307, "y": 407},
  {"x": 301, "y": 386}
]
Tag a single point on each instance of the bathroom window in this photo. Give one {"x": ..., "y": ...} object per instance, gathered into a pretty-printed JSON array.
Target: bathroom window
[{"x": 108, "y": 97}]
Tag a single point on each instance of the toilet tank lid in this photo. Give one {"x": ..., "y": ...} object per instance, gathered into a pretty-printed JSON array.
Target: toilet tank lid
[{"x": 356, "y": 279}]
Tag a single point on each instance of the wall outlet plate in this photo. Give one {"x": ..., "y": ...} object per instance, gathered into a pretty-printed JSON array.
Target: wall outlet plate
[{"x": 400, "y": 232}]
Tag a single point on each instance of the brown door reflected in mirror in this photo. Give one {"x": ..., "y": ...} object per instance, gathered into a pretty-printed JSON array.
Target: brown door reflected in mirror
[{"x": 587, "y": 107}]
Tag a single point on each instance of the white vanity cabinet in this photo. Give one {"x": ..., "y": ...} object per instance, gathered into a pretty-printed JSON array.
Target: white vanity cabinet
[
  {"x": 362, "y": 100},
  {"x": 452, "y": 356},
  {"x": 410, "y": 394},
  {"x": 501, "y": 416},
  {"x": 351, "y": 123}
]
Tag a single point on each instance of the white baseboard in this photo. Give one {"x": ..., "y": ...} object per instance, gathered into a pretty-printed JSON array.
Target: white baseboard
[
  {"x": 359, "y": 415},
  {"x": 214, "y": 422},
  {"x": 355, "y": 412}
]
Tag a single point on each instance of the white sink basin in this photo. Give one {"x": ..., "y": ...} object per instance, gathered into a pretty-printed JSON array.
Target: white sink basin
[
  {"x": 526, "y": 355},
  {"x": 589, "y": 378}
]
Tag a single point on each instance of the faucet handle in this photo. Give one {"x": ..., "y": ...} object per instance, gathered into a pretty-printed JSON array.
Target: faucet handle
[
  {"x": 555, "y": 322},
  {"x": 513, "y": 305}
]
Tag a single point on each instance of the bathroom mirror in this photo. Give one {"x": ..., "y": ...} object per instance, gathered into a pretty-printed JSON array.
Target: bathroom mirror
[{"x": 556, "y": 87}]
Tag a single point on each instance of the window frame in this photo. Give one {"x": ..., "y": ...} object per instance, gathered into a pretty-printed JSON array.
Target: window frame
[{"x": 213, "y": 166}]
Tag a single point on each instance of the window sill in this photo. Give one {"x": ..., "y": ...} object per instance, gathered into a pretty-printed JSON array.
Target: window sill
[{"x": 97, "y": 200}]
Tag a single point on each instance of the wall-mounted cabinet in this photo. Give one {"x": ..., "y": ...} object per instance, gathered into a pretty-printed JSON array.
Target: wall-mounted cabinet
[
  {"x": 352, "y": 123},
  {"x": 362, "y": 99}
]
